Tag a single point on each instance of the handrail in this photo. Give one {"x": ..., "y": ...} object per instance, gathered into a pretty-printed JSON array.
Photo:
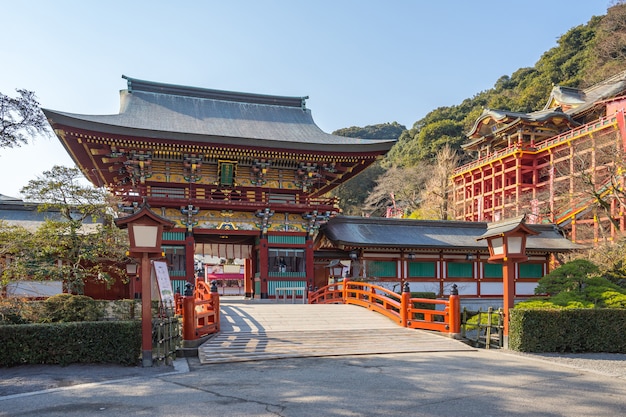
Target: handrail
[
  {"x": 201, "y": 311},
  {"x": 235, "y": 199},
  {"x": 400, "y": 308},
  {"x": 580, "y": 131}
]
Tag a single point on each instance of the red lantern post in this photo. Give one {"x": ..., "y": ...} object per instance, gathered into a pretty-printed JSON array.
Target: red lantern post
[{"x": 145, "y": 231}]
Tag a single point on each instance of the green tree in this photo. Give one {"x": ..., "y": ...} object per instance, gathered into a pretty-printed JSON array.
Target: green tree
[
  {"x": 61, "y": 189},
  {"x": 577, "y": 284},
  {"x": 567, "y": 278},
  {"x": 74, "y": 247},
  {"x": 352, "y": 193}
]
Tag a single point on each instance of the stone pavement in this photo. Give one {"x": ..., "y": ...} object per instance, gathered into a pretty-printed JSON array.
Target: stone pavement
[
  {"x": 456, "y": 384},
  {"x": 467, "y": 383}
]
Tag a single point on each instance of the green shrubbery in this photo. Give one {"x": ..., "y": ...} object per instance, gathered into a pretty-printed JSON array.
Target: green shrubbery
[
  {"x": 65, "y": 329},
  {"x": 583, "y": 312},
  {"x": 575, "y": 285},
  {"x": 65, "y": 343},
  {"x": 67, "y": 308},
  {"x": 568, "y": 330}
]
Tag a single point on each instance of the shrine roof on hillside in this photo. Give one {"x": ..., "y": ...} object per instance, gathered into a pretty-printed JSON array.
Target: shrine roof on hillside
[
  {"x": 355, "y": 232},
  {"x": 583, "y": 99},
  {"x": 580, "y": 100},
  {"x": 173, "y": 112},
  {"x": 509, "y": 118}
]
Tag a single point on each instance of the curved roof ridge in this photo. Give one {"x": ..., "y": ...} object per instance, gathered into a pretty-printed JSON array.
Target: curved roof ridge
[{"x": 135, "y": 84}]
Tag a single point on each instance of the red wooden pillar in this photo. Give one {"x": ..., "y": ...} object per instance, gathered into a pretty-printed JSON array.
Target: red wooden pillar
[
  {"x": 263, "y": 266},
  {"x": 405, "y": 303},
  {"x": 309, "y": 263},
  {"x": 248, "y": 280},
  {"x": 190, "y": 265},
  {"x": 215, "y": 298},
  {"x": 454, "y": 310},
  {"x": 189, "y": 319},
  {"x": 146, "y": 310},
  {"x": 508, "y": 295}
]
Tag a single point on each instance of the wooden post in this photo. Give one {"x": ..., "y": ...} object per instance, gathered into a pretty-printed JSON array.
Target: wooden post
[
  {"x": 248, "y": 279},
  {"x": 146, "y": 311},
  {"x": 405, "y": 304},
  {"x": 508, "y": 296},
  {"x": 189, "y": 318},
  {"x": 263, "y": 267},
  {"x": 344, "y": 290},
  {"x": 454, "y": 309},
  {"x": 215, "y": 298}
]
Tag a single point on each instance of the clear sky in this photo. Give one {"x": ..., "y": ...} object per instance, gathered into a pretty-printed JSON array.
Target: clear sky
[{"x": 361, "y": 62}]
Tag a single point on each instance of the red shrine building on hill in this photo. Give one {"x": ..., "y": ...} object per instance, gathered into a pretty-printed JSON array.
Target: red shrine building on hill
[
  {"x": 562, "y": 164},
  {"x": 244, "y": 177}
]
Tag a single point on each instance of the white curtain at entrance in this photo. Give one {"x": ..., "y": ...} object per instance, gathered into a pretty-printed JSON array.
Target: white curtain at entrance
[{"x": 224, "y": 250}]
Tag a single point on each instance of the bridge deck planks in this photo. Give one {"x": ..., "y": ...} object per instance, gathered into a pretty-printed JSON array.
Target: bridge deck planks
[{"x": 263, "y": 331}]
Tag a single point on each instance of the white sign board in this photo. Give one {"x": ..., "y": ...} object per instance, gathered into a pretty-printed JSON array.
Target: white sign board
[{"x": 159, "y": 269}]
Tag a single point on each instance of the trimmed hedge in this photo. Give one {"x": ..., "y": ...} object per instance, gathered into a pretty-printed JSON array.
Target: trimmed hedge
[
  {"x": 568, "y": 330},
  {"x": 65, "y": 343}
]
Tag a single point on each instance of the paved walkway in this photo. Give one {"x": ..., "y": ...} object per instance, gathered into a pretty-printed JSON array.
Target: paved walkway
[{"x": 253, "y": 330}]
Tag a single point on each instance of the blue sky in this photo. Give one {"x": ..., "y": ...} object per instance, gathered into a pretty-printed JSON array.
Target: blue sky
[{"x": 361, "y": 62}]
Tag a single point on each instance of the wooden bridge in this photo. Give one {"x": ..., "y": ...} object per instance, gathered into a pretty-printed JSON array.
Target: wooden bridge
[{"x": 266, "y": 329}]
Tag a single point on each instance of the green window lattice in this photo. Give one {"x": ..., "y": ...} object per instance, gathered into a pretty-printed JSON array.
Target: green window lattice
[
  {"x": 460, "y": 270},
  {"x": 422, "y": 269}
]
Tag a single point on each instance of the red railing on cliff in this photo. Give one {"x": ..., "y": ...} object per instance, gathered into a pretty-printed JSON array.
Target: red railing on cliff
[
  {"x": 599, "y": 124},
  {"x": 416, "y": 313}
]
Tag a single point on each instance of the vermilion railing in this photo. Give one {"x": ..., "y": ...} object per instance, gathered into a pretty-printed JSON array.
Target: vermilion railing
[
  {"x": 416, "y": 313},
  {"x": 200, "y": 311},
  {"x": 581, "y": 131}
]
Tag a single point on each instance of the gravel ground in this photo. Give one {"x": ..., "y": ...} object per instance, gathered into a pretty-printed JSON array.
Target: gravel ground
[{"x": 610, "y": 364}]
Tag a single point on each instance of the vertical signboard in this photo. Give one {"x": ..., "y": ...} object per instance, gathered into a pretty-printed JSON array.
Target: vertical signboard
[{"x": 159, "y": 271}]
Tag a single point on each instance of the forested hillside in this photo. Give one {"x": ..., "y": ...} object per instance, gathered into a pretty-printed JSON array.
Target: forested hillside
[
  {"x": 353, "y": 193},
  {"x": 585, "y": 55}
]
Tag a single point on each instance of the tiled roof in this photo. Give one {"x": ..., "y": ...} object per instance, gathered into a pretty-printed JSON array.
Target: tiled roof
[
  {"x": 178, "y": 112},
  {"x": 429, "y": 234}
]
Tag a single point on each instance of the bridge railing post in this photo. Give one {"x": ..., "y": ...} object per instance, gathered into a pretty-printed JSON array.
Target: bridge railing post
[
  {"x": 215, "y": 301},
  {"x": 455, "y": 312},
  {"x": 344, "y": 291},
  {"x": 405, "y": 304},
  {"x": 189, "y": 318}
]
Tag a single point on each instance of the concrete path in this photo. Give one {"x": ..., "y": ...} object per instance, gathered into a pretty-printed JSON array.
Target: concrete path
[
  {"x": 475, "y": 383},
  {"x": 253, "y": 330}
]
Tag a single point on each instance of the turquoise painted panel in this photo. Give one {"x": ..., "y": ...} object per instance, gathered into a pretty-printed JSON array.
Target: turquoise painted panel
[
  {"x": 287, "y": 274},
  {"x": 381, "y": 268},
  {"x": 493, "y": 270},
  {"x": 178, "y": 286},
  {"x": 287, "y": 239},
  {"x": 272, "y": 285},
  {"x": 174, "y": 250},
  {"x": 173, "y": 235},
  {"x": 530, "y": 270},
  {"x": 422, "y": 269},
  {"x": 459, "y": 270}
]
